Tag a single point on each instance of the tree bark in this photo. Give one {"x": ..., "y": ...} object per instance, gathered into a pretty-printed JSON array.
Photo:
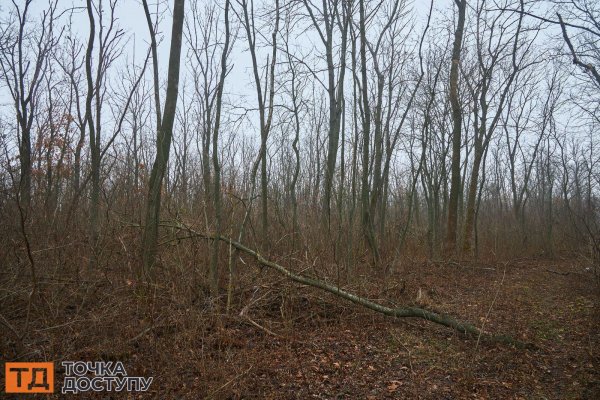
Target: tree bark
[
  {"x": 93, "y": 138},
  {"x": 451, "y": 232},
  {"x": 163, "y": 143},
  {"x": 214, "y": 271},
  {"x": 367, "y": 217}
]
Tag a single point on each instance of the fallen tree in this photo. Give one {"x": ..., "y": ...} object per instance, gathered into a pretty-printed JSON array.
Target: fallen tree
[{"x": 402, "y": 312}]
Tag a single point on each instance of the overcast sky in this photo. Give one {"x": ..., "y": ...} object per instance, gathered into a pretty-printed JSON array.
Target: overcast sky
[
  {"x": 131, "y": 19},
  {"x": 239, "y": 84}
]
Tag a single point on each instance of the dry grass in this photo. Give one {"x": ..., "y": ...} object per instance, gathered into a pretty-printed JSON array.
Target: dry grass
[{"x": 282, "y": 340}]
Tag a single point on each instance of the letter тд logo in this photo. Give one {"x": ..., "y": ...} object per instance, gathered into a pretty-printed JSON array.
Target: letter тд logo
[{"x": 29, "y": 377}]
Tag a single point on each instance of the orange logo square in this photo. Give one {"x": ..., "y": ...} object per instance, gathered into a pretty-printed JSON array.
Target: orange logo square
[{"x": 29, "y": 377}]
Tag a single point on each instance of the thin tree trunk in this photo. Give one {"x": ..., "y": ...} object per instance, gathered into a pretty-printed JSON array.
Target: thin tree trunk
[
  {"x": 367, "y": 218},
  {"x": 451, "y": 232},
  {"x": 164, "y": 136},
  {"x": 214, "y": 271},
  {"x": 94, "y": 150}
]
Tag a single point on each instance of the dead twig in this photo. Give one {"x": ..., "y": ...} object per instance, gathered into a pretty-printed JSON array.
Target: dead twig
[
  {"x": 490, "y": 309},
  {"x": 210, "y": 396},
  {"x": 10, "y": 327},
  {"x": 252, "y": 322},
  {"x": 557, "y": 273}
]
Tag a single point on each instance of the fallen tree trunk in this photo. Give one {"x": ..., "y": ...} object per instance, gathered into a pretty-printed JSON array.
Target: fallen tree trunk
[{"x": 414, "y": 312}]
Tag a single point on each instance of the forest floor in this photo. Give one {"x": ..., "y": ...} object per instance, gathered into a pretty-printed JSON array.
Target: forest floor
[{"x": 290, "y": 341}]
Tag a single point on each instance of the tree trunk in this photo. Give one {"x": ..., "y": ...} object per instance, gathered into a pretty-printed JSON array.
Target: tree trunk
[
  {"x": 472, "y": 199},
  {"x": 163, "y": 143},
  {"x": 367, "y": 218},
  {"x": 451, "y": 232},
  {"x": 214, "y": 271},
  {"x": 94, "y": 150}
]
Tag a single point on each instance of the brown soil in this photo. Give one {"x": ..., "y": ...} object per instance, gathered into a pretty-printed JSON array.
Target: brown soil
[{"x": 294, "y": 342}]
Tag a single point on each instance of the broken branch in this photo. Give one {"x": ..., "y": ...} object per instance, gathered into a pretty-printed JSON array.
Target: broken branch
[{"x": 402, "y": 312}]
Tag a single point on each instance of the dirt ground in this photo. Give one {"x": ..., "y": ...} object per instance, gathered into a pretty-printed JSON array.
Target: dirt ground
[{"x": 286, "y": 341}]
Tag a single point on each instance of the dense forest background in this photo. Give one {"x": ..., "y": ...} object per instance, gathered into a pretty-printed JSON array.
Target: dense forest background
[
  {"x": 345, "y": 140},
  {"x": 346, "y": 143}
]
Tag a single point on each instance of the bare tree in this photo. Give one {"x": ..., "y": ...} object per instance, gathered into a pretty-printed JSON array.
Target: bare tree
[
  {"x": 24, "y": 62},
  {"x": 295, "y": 93},
  {"x": 72, "y": 62},
  {"x": 265, "y": 104},
  {"x": 202, "y": 34},
  {"x": 490, "y": 93},
  {"x": 108, "y": 37},
  {"x": 332, "y": 14},
  {"x": 164, "y": 130},
  {"x": 366, "y": 216},
  {"x": 455, "y": 185}
]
